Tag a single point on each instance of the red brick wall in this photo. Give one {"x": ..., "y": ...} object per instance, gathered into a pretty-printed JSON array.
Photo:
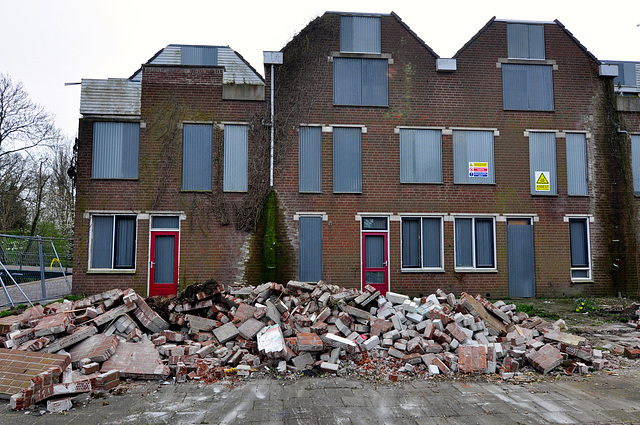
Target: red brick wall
[
  {"x": 208, "y": 249},
  {"x": 469, "y": 97}
]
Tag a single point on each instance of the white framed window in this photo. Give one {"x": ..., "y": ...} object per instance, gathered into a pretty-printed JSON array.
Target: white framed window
[
  {"x": 580, "y": 247},
  {"x": 113, "y": 242},
  {"x": 475, "y": 243},
  {"x": 422, "y": 243}
]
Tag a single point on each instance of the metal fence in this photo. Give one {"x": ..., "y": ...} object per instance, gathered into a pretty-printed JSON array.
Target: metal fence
[{"x": 25, "y": 260}]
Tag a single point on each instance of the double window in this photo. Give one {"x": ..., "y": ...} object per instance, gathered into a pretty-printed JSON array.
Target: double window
[
  {"x": 115, "y": 150},
  {"x": 475, "y": 242},
  {"x": 113, "y": 242},
  {"x": 580, "y": 249},
  {"x": 422, "y": 243},
  {"x": 420, "y": 156}
]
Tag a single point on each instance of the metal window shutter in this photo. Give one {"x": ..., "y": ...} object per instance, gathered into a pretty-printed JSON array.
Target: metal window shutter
[
  {"x": 542, "y": 157},
  {"x": 235, "y": 158},
  {"x": 310, "y": 156},
  {"x": 310, "y": 239},
  {"x": 197, "y": 149},
  {"x": 347, "y": 161},
  {"x": 576, "y": 164}
]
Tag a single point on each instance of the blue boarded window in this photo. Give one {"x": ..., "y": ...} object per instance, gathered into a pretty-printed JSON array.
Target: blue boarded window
[
  {"x": 475, "y": 242},
  {"x": 422, "y": 243},
  {"x": 310, "y": 238},
  {"x": 525, "y": 41},
  {"x": 113, "y": 241},
  {"x": 310, "y": 160},
  {"x": 347, "y": 160},
  {"x": 199, "y": 55},
  {"x": 236, "y": 149},
  {"x": 420, "y": 156},
  {"x": 577, "y": 164},
  {"x": 635, "y": 163},
  {"x": 542, "y": 163},
  {"x": 360, "y": 34},
  {"x": 579, "y": 244},
  {"x": 359, "y": 81},
  {"x": 115, "y": 150},
  {"x": 473, "y": 161},
  {"x": 197, "y": 147},
  {"x": 527, "y": 87}
]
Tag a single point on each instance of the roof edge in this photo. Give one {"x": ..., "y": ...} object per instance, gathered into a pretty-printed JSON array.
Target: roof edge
[
  {"x": 472, "y": 39},
  {"x": 570, "y": 34},
  {"x": 406, "y": 27}
]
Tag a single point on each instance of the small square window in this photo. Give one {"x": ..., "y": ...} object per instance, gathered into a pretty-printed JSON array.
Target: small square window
[
  {"x": 115, "y": 150},
  {"x": 473, "y": 157},
  {"x": 420, "y": 156},
  {"x": 527, "y": 87},
  {"x": 358, "y": 81}
]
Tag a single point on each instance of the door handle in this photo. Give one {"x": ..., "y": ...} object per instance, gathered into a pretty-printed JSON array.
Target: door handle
[
  {"x": 151, "y": 262},
  {"x": 385, "y": 264}
]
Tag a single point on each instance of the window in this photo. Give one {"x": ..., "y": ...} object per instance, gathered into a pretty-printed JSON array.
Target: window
[
  {"x": 542, "y": 163},
  {"x": 359, "y": 81},
  {"x": 422, "y": 243},
  {"x": 360, "y": 34},
  {"x": 115, "y": 150},
  {"x": 527, "y": 87},
  {"x": 113, "y": 242},
  {"x": 577, "y": 164},
  {"x": 525, "y": 41},
  {"x": 199, "y": 55},
  {"x": 347, "y": 161},
  {"x": 235, "y": 158},
  {"x": 197, "y": 145},
  {"x": 473, "y": 157},
  {"x": 310, "y": 235},
  {"x": 580, "y": 255},
  {"x": 310, "y": 161},
  {"x": 420, "y": 156},
  {"x": 635, "y": 163},
  {"x": 165, "y": 222},
  {"x": 475, "y": 242}
]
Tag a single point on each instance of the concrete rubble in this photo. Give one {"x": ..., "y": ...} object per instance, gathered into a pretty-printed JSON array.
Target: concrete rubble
[{"x": 211, "y": 332}]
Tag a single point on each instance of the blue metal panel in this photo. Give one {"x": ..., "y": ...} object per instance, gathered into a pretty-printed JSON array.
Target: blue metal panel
[
  {"x": 542, "y": 158},
  {"x": 411, "y": 242},
  {"x": 347, "y": 81},
  {"x": 165, "y": 222},
  {"x": 360, "y": 34},
  {"x": 484, "y": 242},
  {"x": 125, "y": 242},
  {"x": 102, "y": 242},
  {"x": 579, "y": 243},
  {"x": 536, "y": 42},
  {"x": 464, "y": 242},
  {"x": 472, "y": 146},
  {"x": 115, "y": 150},
  {"x": 635, "y": 163},
  {"x": 347, "y": 161},
  {"x": 310, "y": 165},
  {"x": 197, "y": 147},
  {"x": 577, "y": 164},
  {"x": 525, "y": 41},
  {"x": 199, "y": 55},
  {"x": 420, "y": 156},
  {"x": 164, "y": 261},
  {"x": 236, "y": 147},
  {"x": 310, "y": 238},
  {"x": 431, "y": 239},
  {"x": 629, "y": 73},
  {"x": 527, "y": 87},
  {"x": 375, "y": 87},
  {"x": 521, "y": 261}
]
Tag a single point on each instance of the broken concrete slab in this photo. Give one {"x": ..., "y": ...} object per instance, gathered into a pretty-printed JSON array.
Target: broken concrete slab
[
  {"x": 137, "y": 360},
  {"x": 97, "y": 348}
]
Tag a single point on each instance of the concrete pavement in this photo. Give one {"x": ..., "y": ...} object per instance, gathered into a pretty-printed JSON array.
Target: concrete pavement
[{"x": 602, "y": 398}]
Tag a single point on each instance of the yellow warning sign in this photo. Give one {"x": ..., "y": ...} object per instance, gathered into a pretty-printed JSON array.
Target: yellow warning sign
[{"x": 542, "y": 181}]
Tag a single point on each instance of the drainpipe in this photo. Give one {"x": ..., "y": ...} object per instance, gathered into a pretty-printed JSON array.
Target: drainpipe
[{"x": 272, "y": 58}]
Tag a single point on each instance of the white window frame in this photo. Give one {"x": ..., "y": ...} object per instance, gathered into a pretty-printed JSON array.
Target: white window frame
[
  {"x": 422, "y": 269},
  {"x": 91, "y": 269},
  {"x": 589, "y": 278},
  {"x": 474, "y": 268}
]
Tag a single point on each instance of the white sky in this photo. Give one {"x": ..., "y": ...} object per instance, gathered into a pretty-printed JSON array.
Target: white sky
[{"x": 46, "y": 43}]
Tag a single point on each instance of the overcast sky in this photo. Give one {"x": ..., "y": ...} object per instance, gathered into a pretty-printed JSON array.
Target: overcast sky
[{"x": 47, "y": 43}]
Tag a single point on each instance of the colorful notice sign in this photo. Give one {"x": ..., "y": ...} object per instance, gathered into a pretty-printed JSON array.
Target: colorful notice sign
[
  {"x": 479, "y": 169},
  {"x": 542, "y": 181}
]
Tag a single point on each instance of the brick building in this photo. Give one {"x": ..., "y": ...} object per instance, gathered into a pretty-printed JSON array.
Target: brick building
[
  {"x": 499, "y": 171},
  {"x": 165, "y": 171}
]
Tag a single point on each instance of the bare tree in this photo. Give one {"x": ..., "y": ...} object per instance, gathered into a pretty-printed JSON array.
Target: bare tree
[
  {"x": 14, "y": 182},
  {"x": 23, "y": 124}
]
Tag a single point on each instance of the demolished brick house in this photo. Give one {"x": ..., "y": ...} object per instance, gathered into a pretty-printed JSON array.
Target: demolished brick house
[{"x": 499, "y": 171}]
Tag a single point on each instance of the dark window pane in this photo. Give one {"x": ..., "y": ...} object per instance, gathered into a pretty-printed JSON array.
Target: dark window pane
[
  {"x": 484, "y": 242},
  {"x": 164, "y": 261},
  {"x": 102, "y": 243},
  {"x": 464, "y": 242},
  {"x": 374, "y": 251},
  {"x": 374, "y": 223},
  {"x": 165, "y": 222},
  {"x": 124, "y": 255},
  {"x": 374, "y": 277},
  {"x": 431, "y": 250},
  {"x": 579, "y": 243},
  {"x": 411, "y": 242}
]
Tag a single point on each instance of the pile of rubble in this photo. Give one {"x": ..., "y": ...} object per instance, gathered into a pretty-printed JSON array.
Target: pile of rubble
[{"x": 94, "y": 342}]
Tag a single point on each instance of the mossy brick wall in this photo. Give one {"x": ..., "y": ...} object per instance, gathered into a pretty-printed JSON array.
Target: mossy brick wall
[
  {"x": 211, "y": 247},
  {"x": 469, "y": 97}
]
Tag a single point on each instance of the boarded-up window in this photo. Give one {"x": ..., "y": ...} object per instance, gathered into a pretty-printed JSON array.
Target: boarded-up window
[
  {"x": 199, "y": 55},
  {"x": 473, "y": 157},
  {"x": 420, "y": 156},
  {"x": 422, "y": 243},
  {"x": 635, "y": 162},
  {"x": 236, "y": 147},
  {"x": 525, "y": 41},
  {"x": 577, "y": 164},
  {"x": 113, "y": 242},
  {"x": 579, "y": 242},
  {"x": 475, "y": 242},
  {"x": 359, "y": 81},
  {"x": 197, "y": 142},
  {"x": 310, "y": 237},
  {"x": 542, "y": 163},
  {"x": 527, "y": 87},
  {"x": 310, "y": 163},
  {"x": 360, "y": 34},
  {"x": 115, "y": 150},
  {"x": 347, "y": 160}
]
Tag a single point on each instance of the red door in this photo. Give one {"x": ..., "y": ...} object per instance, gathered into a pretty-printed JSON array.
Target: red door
[
  {"x": 163, "y": 264},
  {"x": 375, "y": 261}
]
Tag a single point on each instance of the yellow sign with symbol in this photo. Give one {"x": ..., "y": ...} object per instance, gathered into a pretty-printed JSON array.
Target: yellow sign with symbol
[{"x": 542, "y": 181}]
